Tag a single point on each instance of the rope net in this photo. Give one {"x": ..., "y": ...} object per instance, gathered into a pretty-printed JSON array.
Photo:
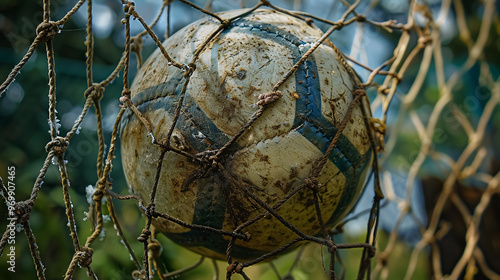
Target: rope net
[{"x": 431, "y": 190}]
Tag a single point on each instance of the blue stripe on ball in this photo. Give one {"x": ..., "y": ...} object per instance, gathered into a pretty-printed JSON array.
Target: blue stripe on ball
[{"x": 160, "y": 97}]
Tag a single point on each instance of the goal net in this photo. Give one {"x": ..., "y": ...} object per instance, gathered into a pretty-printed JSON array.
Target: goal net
[{"x": 429, "y": 71}]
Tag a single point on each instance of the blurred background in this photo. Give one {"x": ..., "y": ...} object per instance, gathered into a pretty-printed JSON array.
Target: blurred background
[{"x": 24, "y": 133}]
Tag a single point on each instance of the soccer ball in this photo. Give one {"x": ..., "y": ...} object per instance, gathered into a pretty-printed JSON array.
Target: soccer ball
[{"x": 272, "y": 158}]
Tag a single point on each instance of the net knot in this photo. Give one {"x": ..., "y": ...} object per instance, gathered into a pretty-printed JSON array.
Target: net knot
[
  {"x": 188, "y": 69},
  {"x": 380, "y": 128},
  {"x": 309, "y": 21},
  {"x": 84, "y": 256},
  {"x": 371, "y": 252},
  {"x": 23, "y": 210},
  {"x": 225, "y": 23},
  {"x": 47, "y": 30},
  {"x": 332, "y": 248},
  {"x": 235, "y": 266},
  {"x": 311, "y": 182},
  {"x": 424, "y": 41},
  {"x": 144, "y": 235},
  {"x": 150, "y": 210},
  {"x": 383, "y": 90},
  {"x": 98, "y": 194},
  {"x": 268, "y": 98},
  {"x": 361, "y": 18},
  {"x": 378, "y": 125},
  {"x": 124, "y": 101},
  {"x": 129, "y": 7},
  {"x": 96, "y": 92},
  {"x": 139, "y": 274},
  {"x": 58, "y": 145},
  {"x": 207, "y": 156},
  {"x": 359, "y": 91},
  {"x": 126, "y": 92}
]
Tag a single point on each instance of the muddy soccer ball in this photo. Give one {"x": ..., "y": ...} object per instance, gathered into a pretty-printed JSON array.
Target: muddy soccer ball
[{"x": 271, "y": 159}]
